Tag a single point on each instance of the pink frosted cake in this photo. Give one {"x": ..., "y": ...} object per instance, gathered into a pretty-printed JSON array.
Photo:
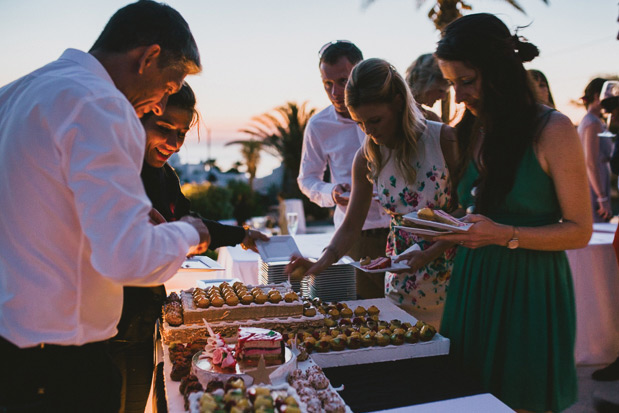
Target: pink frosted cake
[{"x": 254, "y": 343}]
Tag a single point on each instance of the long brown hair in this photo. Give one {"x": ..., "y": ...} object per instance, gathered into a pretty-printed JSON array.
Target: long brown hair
[{"x": 508, "y": 113}]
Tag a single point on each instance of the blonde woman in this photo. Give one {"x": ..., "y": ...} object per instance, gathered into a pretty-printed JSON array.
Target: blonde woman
[
  {"x": 403, "y": 155},
  {"x": 427, "y": 84}
]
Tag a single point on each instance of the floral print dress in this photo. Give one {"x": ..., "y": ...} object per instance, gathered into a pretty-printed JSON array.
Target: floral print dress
[{"x": 421, "y": 293}]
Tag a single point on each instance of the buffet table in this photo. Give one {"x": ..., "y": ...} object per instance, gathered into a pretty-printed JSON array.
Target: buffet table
[{"x": 596, "y": 288}]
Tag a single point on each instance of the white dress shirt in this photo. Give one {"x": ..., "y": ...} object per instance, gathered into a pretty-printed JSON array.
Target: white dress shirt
[
  {"x": 333, "y": 140},
  {"x": 74, "y": 224}
]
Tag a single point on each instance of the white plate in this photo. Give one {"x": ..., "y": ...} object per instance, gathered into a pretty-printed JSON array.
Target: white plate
[
  {"x": 422, "y": 231},
  {"x": 394, "y": 266},
  {"x": 278, "y": 248},
  {"x": 200, "y": 263},
  {"x": 439, "y": 225}
]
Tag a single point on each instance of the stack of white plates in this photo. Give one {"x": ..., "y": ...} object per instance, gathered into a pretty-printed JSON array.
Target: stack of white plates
[
  {"x": 336, "y": 283},
  {"x": 273, "y": 273}
]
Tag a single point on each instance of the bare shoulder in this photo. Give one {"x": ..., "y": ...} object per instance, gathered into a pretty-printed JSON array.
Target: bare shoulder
[{"x": 558, "y": 134}]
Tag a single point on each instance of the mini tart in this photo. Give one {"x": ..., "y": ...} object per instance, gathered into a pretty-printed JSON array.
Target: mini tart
[
  {"x": 360, "y": 311},
  {"x": 346, "y": 312},
  {"x": 373, "y": 310}
]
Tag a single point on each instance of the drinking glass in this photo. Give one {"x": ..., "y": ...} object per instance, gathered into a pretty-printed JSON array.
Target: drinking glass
[
  {"x": 292, "y": 219},
  {"x": 610, "y": 90}
]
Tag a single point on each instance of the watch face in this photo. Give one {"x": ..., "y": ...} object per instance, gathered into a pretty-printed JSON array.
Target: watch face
[{"x": 512, "y": 244}]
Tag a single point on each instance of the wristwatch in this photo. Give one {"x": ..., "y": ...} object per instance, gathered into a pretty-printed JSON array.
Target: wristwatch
[{"x": 513, "y": 243}]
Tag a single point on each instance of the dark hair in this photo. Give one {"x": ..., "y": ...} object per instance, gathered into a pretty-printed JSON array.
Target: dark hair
[
  {"x": 508, "y": 111},
  {"x": 333, "y": 51},
  {"x": 539, "y": 77},
  {"x": 593, "y": 88},
  {"x": 145, "y": 23},
  {"x": 183, "y": 99}
]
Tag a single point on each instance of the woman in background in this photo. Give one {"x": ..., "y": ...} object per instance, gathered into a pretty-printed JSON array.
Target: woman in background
[
  {"x": 541, "y": 88},
  {"x": 598, "y": 151},
  {"x": 510, "y": 311},
  {"x": 132, "y": 348},
  {"x": 426, "y": 82},
  {"x": 407, "y": 157}
]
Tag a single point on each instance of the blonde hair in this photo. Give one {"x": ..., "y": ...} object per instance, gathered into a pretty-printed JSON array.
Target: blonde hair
[
  {"x": 376, "y": 81},
  {"x": 422, "y": 74}
]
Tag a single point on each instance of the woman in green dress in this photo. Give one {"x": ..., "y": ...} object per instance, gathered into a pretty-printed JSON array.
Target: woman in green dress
[{"x": 510, "y": 312}]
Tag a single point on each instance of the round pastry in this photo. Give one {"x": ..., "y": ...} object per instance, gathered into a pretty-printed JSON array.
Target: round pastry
[
  {"x": 333, "y": 313},
  {"x": 406, "y": 325},
  {"x": 398, "y": 330},
  {"x": 290, "y": 296},
  {"x": 329, "y": 322},
  {"x": 360, "y": 311},
  {"x": 203, "y": 302},
  {"x": 346, "y": 312},
  {"x": 232, "y": 300},
  {"x": 395, "y": 323},
  {"x": 411, "y": 335},
  {"x": 272, "y": 291},
  {"x": 309, "y": 312},
  {"x": 260, "y": 298},
  {"x": 354, "y": 342},
  {"x": 338, "y": 344},
  {"x": 427, "y": 332},
  {"x": 368, "y": 340},
  {"x": 255, "y": 291},
  {"x": 217, "y": 301},
  {"x": 323, "y": 345},
  {"x": 319, "y": 381},
  {"x": 382, "y": 339},
  {"x": 247, "y": 299},
  {"x": 385, "y": 331},
  {"x": 275, "y": 298},
  {"x": 373, "y": 310},
  {"x": 397, "y": 339},
  {"x": 345, "y": 322}
]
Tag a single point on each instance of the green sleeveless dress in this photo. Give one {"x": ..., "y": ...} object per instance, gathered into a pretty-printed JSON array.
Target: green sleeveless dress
[{"x": 510, "y": 314}]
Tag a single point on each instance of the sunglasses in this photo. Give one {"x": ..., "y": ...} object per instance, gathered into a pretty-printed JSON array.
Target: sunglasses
[{"x": 339, "y": 44}]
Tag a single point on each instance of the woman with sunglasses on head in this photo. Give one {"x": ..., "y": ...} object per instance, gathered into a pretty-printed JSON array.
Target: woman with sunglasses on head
[
  {"x": 510, "y": 312},
  {"x": 132, "y": 348},
  {"x": 403, "y": 155}
]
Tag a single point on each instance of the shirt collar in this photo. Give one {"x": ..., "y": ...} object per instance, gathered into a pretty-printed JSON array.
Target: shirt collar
[{"x": 87, "y": 61}]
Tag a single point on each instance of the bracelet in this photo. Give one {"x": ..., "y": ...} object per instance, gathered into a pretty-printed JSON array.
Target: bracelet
[
  {"x": 246, "y": 228},
  {"x": 603, "y": 199}
]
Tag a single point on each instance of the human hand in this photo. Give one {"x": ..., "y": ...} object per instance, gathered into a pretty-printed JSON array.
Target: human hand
[
  {"x": 484, "y": 231},
  {"x": 414, "y": 259},
  {"x": 155, "y": 217},
  {"x": 604, "y": 209},
  {"x": 205, "y": 236},
  {"x": 249, "y": 242},
  {"x": 337, "y": 191}
]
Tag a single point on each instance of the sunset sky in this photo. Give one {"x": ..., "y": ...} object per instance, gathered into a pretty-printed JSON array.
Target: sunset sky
[{"x": 259, "y": 54}]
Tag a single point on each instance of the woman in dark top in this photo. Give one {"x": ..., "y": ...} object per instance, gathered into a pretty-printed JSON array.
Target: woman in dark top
[{"x": 133, "y": 346}]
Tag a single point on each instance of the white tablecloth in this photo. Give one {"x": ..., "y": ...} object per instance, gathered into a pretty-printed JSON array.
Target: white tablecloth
[
  {"x": 243, "y": 265},
  {"x": 596, "y": 289}
]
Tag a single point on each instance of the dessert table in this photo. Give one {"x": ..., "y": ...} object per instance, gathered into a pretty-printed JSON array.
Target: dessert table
[
  {"x": 596, "y": 288},
  {"x": 594, "y": 270}
]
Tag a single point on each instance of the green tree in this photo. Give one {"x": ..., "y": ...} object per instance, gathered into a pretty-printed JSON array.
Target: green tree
[
  {"x": 250, "y": 150},
  {"x": 281, "y": 133},
  {"x": 208, "y": 200}
]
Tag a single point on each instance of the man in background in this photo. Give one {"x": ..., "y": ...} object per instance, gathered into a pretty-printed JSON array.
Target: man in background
[
  {"x": 76, "y": 224},
  {"x": 332, "y": 139}
]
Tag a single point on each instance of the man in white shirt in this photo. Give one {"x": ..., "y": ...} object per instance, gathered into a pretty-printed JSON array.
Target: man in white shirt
[
  {"x": 76, "y": 224},
  {"x": 332, "y": 139}
]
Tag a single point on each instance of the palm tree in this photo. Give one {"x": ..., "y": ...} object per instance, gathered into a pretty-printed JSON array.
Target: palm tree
[
  {"x": 250, "y": 150},
  {"x": 281, "y": 133}
]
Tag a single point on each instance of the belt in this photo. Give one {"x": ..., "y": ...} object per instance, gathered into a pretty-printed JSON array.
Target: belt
[{"x": 45, "y": 346}]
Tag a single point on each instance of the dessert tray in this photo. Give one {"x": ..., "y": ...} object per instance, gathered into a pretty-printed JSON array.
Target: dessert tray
[{"x": 206, "y": 371}]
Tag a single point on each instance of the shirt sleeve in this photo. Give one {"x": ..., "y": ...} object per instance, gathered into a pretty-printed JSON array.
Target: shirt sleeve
[
  {"x": 106, "y": 144},
  {"x": 312, "y": 170}
]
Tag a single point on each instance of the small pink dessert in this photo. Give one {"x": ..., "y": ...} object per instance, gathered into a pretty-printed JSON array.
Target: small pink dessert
[{"x": 254, "y": 343}]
